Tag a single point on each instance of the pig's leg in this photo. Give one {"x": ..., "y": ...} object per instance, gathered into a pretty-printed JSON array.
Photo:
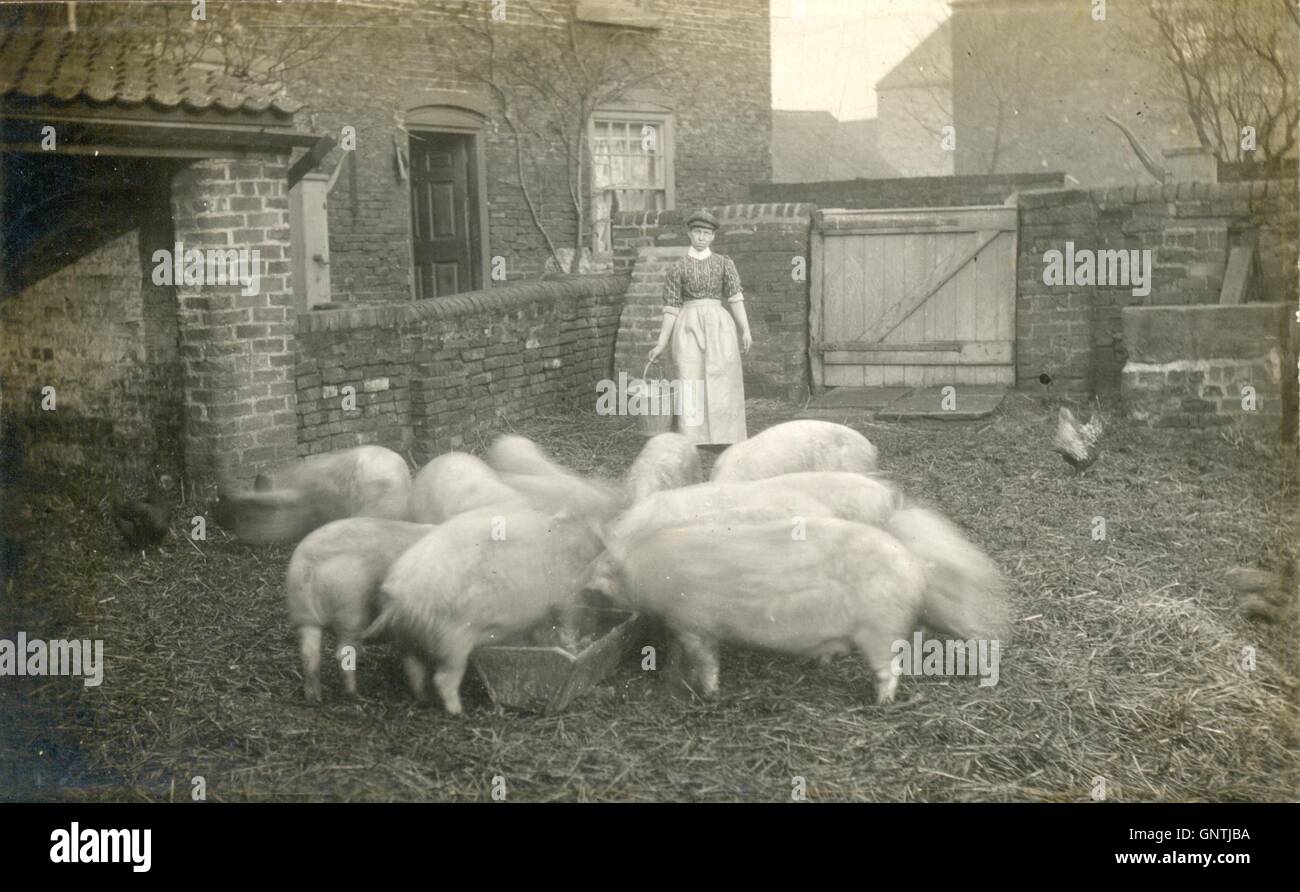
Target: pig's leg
[
  {"x": 451, "y": 670},
  {"x": 350, "y": 638},
  {"x": 702, "y": 652},
  {"x": 309, "y": 638},
  {"x": 877, "y": 651},
  {"x": 416, "y": 675}
]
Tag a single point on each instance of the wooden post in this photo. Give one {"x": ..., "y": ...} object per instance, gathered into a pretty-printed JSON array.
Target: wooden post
[{"x": 309, "y": 226}]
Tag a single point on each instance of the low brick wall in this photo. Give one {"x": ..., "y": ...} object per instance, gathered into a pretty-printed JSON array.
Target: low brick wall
[
  {"x": 1075, "y": 334},
  {"x": 907, "y": 192},
  {"x": 1190, "y": 366},
  {"x": 426, "y": 375},
  {"x": 764, "y": 240}
]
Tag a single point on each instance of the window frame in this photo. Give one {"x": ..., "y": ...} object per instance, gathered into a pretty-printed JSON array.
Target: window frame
[{"x": 643, "y": 113}]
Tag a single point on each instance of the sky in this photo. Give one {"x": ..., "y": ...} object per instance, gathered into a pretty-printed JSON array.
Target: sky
[{"x": 828, "y": 54}]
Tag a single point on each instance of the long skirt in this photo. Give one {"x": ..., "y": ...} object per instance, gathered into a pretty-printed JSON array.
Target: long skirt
[{"x": 707, "y": 354}]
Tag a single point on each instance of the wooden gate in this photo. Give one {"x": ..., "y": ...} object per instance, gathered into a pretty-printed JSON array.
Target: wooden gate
[{"x": 916, "y": 297}]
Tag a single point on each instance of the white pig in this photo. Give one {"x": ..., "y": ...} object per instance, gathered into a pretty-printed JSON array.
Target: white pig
[
  {"x": 674, "y": 507},
  {"x": 333, "y": 583},
  {"x": 850, "y": 496},
  {"x": 841, "y": 585},
  {"x": 293, "y": 499},
  {"x": 523, "y": 465},
  {"x": 803, "y": 445},
  {"x": 667, "y": 461},
  {"x": 454, "y": 483},
  {"x": 964, "y": 588},
  {"x": 477, "y": 579}
]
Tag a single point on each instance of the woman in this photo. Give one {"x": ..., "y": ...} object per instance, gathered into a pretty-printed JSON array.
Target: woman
[{"x": 704, "y": 340}]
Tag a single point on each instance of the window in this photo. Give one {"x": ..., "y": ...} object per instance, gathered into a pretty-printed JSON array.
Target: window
[{"x": 632, "y": 159}]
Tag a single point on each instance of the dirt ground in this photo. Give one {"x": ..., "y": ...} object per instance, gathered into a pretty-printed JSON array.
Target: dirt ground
[{"x": 1126, "y": 662}]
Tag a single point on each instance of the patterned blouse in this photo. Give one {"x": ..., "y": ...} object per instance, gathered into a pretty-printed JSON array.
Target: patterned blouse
[{"x": 689, "y": 279}]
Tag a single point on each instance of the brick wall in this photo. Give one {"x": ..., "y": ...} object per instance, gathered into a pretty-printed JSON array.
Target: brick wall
[
  {"x": 85, "y": 318},
  {"x": 907, "y": 192},
  {"x": 1190, "y": 366},
  {"x": 713, "y": 73},
  {"x": 237, "y": 349},
  {"x": 763, "y": 240},
  {"x": 1075, "y": 334},
  {"x": 427, "y": 375}
]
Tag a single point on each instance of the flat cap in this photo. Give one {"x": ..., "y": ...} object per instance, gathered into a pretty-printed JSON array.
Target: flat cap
[{"x": 702, "y": 218}]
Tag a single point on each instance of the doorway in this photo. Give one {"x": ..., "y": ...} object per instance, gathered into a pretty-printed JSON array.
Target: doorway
[{"x": 445, "y": 231}]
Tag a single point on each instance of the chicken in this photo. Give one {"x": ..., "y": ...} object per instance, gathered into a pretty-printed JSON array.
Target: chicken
[
  {"x": 1078, "y": 444},
  {"x": 144, "y": 522}
]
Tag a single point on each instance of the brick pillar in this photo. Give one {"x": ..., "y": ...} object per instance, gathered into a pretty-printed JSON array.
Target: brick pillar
[{"x": 237, "y": 349}]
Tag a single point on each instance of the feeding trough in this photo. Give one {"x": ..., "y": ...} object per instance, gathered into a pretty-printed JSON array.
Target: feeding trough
[{"x": 545, "y": 672}]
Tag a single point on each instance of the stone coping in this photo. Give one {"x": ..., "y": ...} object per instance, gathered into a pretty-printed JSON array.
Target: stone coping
[
  {"x": 1203, "y": 331},
  {"x": 495, "y": 300}
]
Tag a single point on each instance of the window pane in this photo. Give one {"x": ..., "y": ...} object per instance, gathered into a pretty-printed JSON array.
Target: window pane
[{"x": 628, "y": 157}]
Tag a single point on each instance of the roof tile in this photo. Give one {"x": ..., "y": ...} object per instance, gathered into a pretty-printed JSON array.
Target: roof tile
[{"x": 55, "y": 64}]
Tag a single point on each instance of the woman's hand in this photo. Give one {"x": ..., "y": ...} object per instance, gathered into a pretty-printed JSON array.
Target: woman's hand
[
  {"x": 655, "y": 352},
  {"x": 746, "y": 341}
]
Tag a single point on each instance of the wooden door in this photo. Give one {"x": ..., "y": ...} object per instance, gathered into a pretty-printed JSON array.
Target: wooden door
[
  {"x": 915, "y": 297},
  {"x": 444, "y": 214}
]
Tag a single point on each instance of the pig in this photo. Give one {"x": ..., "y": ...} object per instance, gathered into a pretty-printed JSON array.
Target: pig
[
  {"x": 267, "y": 517},
  {"x": 857, "y": 497},
  {"x": 842, "y": 585},
  {"x": 523, "y": 465},
  {"x": 454, "y": 483},
  {"x": 480, "y": 578},
  {"x": 333, "y": 583},
  {"x": 513, "y": 454},
  {"x": 803, "y": 445},
  {"x": 667, "y": 461},
  {"x": 673, "y": 507},
  {"x": 964, "y": 588},
  {"x": 293, "y": 499}
]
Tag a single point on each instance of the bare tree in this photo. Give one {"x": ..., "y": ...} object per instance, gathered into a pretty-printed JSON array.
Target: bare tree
[
  {"x": 549, "y": 75},
  {"x": 1229, "y": 64}
]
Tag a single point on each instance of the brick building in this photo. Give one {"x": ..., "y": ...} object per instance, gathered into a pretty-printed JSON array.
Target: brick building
[
  {"x": 914, "y": 104},
  {"x": 375, "y": 152},
  {"x": 815, "y": 146},
  {"x": 406, "y": 74},
  {"x": 1027, "y": 85}
]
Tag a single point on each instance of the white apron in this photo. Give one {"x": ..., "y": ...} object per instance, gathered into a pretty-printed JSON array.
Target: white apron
[{"x": 707, "y": 354}]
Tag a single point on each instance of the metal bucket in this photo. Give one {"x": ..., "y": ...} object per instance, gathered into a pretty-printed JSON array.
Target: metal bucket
[{"x": 655, "y": 395}]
